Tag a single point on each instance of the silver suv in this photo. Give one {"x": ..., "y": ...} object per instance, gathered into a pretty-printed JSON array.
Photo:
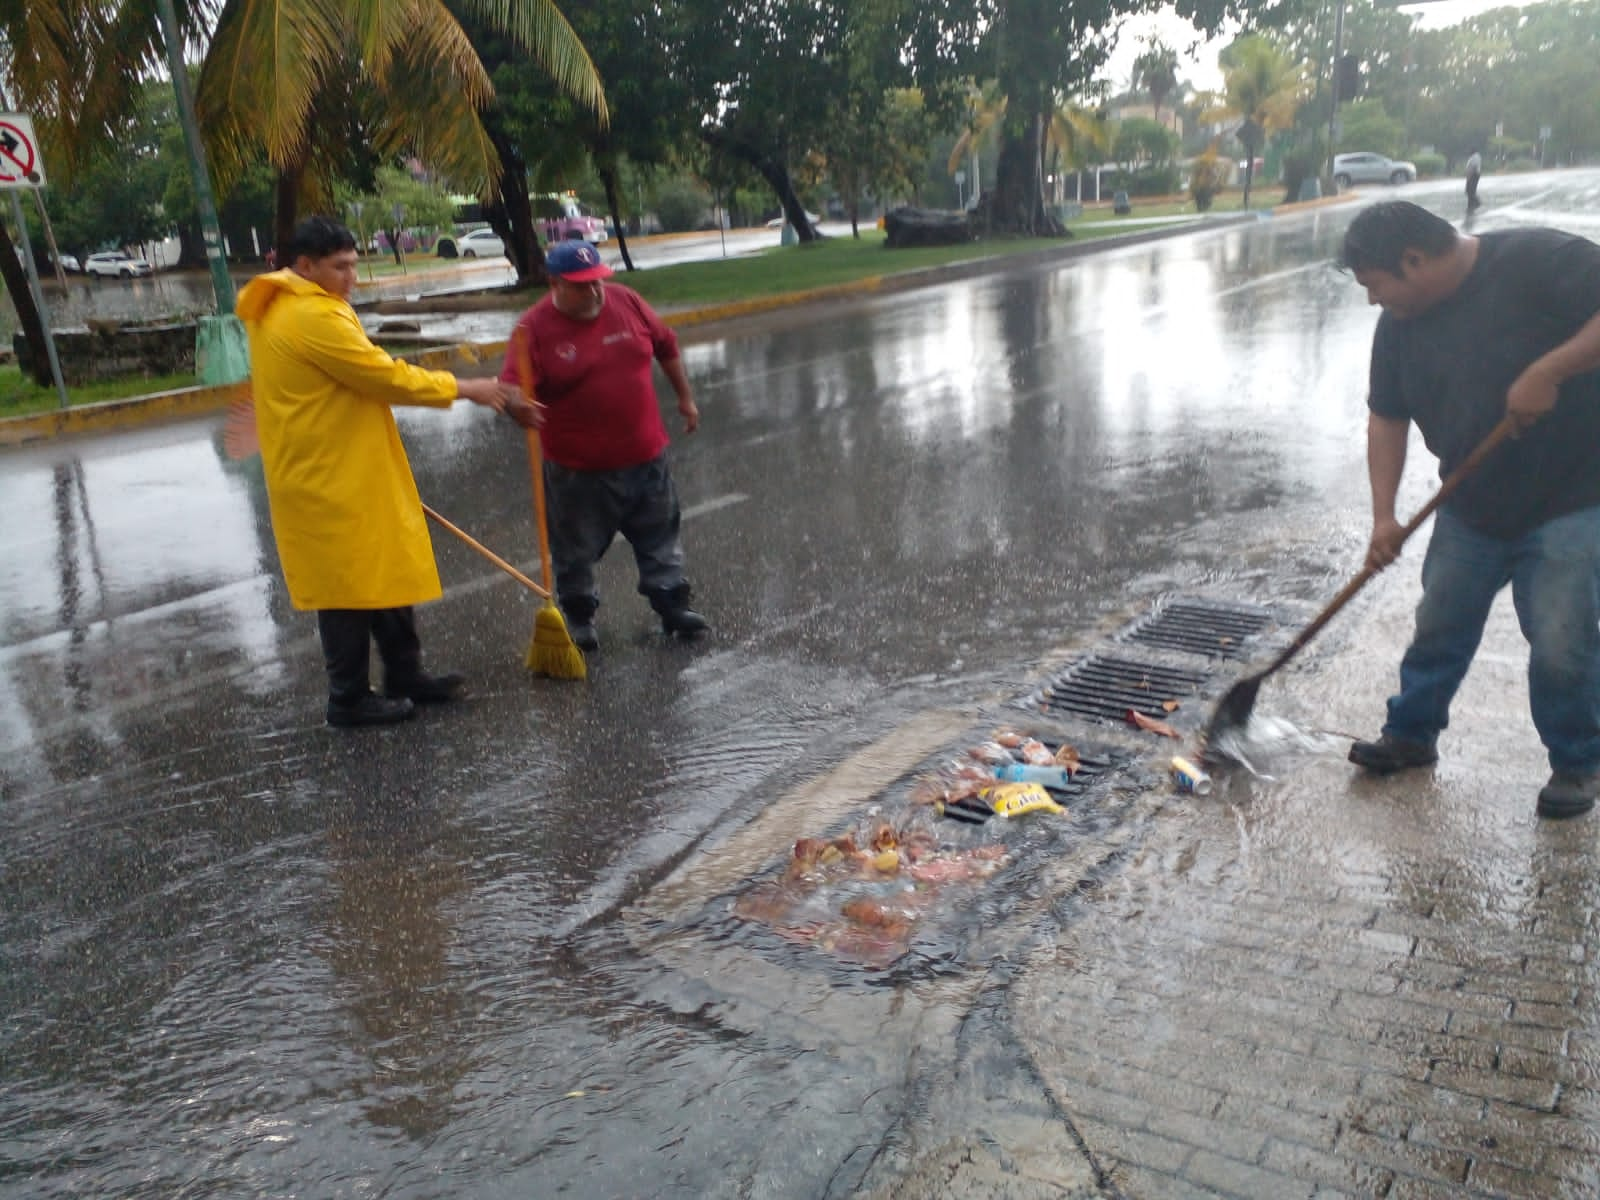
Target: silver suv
[{"x": 1371, "y": 168}]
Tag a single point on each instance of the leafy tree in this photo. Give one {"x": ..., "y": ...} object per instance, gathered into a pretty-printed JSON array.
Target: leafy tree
[
  {"x": 876, "y": 145},
  {"x": 1365, "y": 125},
  {"x": 540, "y": 131},
  {"x": 395, "y": 190}
]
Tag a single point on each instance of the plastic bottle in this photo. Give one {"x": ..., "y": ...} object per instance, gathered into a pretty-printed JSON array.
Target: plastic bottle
[{"x": 1051, "y": 777}]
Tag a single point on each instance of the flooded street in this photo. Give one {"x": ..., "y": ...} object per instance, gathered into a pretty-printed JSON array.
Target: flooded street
[{"x": 494, "y": 952}]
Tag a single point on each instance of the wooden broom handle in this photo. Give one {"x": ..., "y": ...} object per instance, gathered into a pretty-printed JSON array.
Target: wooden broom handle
[
  {"x": 488, "y": 553},
  {"x": 524, "y": 362},
  {"x": 1505, "y": 429}
]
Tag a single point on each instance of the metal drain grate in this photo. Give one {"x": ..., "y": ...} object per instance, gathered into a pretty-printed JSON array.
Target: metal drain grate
[
  {"x": 1201, "y": 627},
  {"x": 1106, "y": 688}
]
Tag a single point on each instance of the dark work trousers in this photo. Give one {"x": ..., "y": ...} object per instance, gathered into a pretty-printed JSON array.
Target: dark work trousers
[
  {"x": 1472, "y": 190},
  {"x": 347, "y": 635},
  {"x": 587, "y": 510}
]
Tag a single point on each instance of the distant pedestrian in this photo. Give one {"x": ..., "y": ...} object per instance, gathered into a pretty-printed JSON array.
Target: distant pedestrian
[
  {"x": 345, "y": 512},
  {"x": 1475, "y": 329},
  {"x": 1474, "y": 169},
  {"x": 592, "y": 345}
]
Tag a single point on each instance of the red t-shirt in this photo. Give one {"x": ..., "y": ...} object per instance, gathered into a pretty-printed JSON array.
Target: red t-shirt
[{"x": 595, "y": 380}]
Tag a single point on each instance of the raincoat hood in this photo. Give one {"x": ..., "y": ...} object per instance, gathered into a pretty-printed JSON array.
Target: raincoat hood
[{"x": 257, "y": 296}]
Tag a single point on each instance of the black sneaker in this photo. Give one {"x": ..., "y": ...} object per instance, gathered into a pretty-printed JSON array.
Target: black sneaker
[
  {"x": 1568, "y": 794},
  {"x": 371, "y": 709},
  {"x": 583, "y": 636},
  {"x": 428, "y": 689},
  {"x": 684, "y": 622},
  {"x": 1392, "y": 754}
]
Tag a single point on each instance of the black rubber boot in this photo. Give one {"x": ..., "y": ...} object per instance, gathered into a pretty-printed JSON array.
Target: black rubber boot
[
  {"x": 673, "y": 606},
  {"x": 1568, "y": 794},
  {"x": 1389, "y": 754},
  {"x": 426, "y": 689},
  {"x": 370, "y": 709},
  {"x": 579, "y": 612}
]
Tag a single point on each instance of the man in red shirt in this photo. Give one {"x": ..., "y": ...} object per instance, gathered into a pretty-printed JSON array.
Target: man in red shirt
[{"x": 605, "y": 466}]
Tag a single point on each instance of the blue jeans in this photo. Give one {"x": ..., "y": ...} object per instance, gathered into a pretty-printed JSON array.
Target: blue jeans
[{"x": 1554, "y": 573}]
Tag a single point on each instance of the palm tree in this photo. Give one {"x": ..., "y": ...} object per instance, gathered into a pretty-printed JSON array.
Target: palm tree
[
  {"x": 1263, "y": 89},
  {"x": 1156, "y": 71},
  {"x": 403, "y": 75}
]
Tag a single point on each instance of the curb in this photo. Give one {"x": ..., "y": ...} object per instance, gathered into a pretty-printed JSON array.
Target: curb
[{"x": 132, "y": 411}]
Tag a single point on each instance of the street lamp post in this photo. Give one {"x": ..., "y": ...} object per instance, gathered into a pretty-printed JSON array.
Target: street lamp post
[{"x": 1333, "y": 91}]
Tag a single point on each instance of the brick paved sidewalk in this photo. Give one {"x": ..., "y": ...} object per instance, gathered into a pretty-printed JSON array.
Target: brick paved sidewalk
[{"x": 1327, "y": 985}]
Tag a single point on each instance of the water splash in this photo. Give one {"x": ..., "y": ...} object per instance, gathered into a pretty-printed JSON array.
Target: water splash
[{"x": 1264, "y": 743}]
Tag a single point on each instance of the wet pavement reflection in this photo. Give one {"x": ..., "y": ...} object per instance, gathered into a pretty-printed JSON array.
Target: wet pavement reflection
[{"x": 246, "y": 954}]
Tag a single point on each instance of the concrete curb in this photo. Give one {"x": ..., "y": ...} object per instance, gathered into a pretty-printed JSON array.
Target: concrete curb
[{"x": 133, "y": 411}]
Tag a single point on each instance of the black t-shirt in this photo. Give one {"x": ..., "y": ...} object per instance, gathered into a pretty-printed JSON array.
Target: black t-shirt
[{"x": 1450, "y": 368}]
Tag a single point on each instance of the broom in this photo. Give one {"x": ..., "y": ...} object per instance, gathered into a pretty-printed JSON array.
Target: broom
[{"x": 552, "y": 651}]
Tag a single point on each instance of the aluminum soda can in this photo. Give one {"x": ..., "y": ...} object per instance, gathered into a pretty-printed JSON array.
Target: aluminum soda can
[{"x": 1190, "y": 778}]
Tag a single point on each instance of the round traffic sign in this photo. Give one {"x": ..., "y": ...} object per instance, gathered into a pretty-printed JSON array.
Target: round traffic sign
[{"x": 19, "y": 156}]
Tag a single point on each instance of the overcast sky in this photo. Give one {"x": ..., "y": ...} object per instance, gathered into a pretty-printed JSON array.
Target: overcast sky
[{"x": 1200, "y": 68}]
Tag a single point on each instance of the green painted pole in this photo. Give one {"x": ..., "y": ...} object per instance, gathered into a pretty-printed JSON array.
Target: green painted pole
[{"x": 211, "y": 228}]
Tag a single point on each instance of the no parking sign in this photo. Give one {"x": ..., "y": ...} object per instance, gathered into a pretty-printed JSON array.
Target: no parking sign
[{"x": 21, "y": 164}]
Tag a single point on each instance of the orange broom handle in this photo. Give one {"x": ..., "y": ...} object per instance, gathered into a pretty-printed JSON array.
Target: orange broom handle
[
  {"x": 535, "y": 457},
  {"x": 487, "y": 553}
]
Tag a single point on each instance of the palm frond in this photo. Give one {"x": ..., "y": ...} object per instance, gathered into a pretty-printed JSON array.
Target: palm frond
[
  {"x": 424, "y": 113},
  {"x": 539, "y": 27},
  {"x": 265, "y": 66}
]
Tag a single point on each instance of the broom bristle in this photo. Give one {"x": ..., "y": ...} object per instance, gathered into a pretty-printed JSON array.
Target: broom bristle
[{"x": 552, "y": 651}]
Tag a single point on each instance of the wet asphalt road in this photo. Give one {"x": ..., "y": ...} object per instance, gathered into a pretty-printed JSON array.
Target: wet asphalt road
[{"x": 248, "y": 955}]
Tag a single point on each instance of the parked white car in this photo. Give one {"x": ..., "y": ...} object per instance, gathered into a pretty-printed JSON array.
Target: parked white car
[
  {"x": 480, "y": 243},
  {"x": 1371, "y": 168},
  {"x": 115, "y": 264}
]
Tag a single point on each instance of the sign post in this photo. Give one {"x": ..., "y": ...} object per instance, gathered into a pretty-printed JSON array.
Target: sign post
[{"x": 22, "y": 166}]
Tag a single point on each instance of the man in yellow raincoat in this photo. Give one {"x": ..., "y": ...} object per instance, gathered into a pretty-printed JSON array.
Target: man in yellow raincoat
[{"x": 345, "y": 511}]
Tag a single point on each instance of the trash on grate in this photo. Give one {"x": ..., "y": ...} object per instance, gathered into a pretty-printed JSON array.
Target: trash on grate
[
  {"x": 1015, "y": 799},
  {"x": 861, "y": 903},
  {"x": 959, "y": 789},
  {"x": 1150, "y": 725}
]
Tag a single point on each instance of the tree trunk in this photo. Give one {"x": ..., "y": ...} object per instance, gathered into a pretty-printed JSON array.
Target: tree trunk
[
  {"x": 286, "y": 197},
  {"x": 191, "y": 245},
  {"x": 775, "y": 171},
  {"x": 1016, "y": 202},
  {"x": 608, "y": 180},
  {"x": 28, "y": 318},
  {"x": 511, "y": 214}
]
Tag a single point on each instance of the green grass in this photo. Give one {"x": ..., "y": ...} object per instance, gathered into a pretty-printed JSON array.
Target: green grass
[
  {"x": 834, "y": 260},
  {"x": 20, "y": 396}
]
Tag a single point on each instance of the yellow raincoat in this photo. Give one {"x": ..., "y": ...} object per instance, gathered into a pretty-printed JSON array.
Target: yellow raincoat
[{"x": 345, "y": 509}]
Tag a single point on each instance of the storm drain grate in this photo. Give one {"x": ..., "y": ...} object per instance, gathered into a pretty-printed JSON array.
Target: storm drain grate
[
  {"x": 1201, "y": 627},
  {"x": 1106, "y": 688}
]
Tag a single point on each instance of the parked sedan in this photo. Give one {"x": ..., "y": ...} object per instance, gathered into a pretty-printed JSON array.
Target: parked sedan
[
  {"x": 1371, "y": 168},
  {"x": 115, "y": 264},
  {"x": 480, "y": 243}
]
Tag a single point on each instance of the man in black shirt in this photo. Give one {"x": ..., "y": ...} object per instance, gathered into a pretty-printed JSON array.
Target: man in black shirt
[{"x": 1474, "y": 329}]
